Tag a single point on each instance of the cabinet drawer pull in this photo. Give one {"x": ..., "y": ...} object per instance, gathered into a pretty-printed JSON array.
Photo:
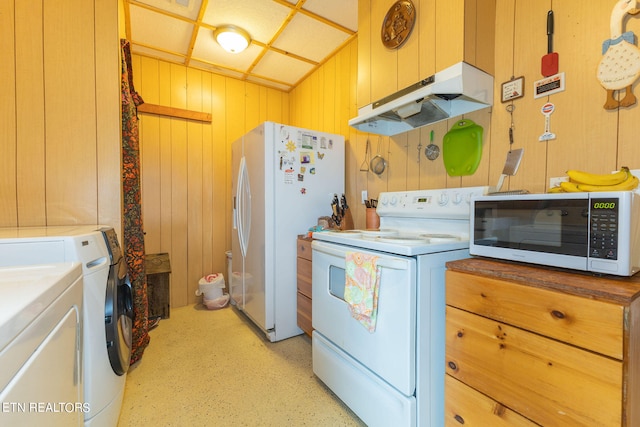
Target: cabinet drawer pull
[
  {"x": 459, "y": 419},
  {"x": 453, "y": 365},
  {"x": 557, "y": 314}
]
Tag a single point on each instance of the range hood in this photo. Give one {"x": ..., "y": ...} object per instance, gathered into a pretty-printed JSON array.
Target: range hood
[{"x": 457, "y": 90}]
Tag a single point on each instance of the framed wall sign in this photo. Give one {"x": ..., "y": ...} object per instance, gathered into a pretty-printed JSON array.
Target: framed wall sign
[{"x": 513, "y": 89}]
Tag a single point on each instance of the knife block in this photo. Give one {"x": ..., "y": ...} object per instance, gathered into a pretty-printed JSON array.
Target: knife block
[{"x": 347, "y": 221}]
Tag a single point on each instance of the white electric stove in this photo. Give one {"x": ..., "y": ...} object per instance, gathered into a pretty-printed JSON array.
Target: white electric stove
[{"x": 393, "y": 375}]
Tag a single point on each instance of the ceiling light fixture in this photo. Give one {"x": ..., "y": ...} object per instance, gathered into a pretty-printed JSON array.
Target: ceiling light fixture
[{"x": 232, "y": 39}]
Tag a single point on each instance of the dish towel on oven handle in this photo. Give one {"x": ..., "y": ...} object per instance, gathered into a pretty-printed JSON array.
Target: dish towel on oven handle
[{"x": 362, "y": 282}]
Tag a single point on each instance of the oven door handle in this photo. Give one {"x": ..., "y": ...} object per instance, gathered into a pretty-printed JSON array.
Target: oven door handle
[{"x": 392, "y": 263}]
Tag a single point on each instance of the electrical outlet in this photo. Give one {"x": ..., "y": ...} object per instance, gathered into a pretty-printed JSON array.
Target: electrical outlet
[{"x": 364, "y": 196}]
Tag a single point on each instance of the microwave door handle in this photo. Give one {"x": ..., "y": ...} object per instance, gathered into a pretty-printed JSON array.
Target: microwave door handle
[{"x": 392, "y": 263}]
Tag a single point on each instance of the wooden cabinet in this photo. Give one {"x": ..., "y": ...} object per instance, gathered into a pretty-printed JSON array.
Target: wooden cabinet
[
  {"x": 158, "y": 270},
  {"x": 528, "y": 345},
  {"x": 303, "y": 265}
]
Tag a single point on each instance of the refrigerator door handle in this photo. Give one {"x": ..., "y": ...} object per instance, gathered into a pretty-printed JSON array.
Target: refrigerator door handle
[{"x": 244, "y": 207}]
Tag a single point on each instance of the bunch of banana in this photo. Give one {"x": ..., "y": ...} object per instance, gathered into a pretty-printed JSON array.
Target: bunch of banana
[{"x": 584, "y": 181}]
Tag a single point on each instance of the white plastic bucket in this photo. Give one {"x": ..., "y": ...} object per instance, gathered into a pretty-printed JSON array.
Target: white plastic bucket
[{"x": 211, "y": 287}]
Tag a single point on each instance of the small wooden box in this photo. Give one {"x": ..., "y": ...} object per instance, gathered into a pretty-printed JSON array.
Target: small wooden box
[{"x": 158, "y": 268}]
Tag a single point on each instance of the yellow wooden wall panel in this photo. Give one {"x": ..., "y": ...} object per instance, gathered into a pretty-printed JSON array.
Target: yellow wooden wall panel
[
  {"x": 210, "y": 247},
  {"x": 8, "y": 132},
  {"x": 179, "y": 191},
  {"x": 59, "y": 117},
  {"x": 470, "y": 28},
  {"x": 449, "y": 33},
  {"x": 329, "y": 96},
  {"x": 315, "y": 109},
  {"x": 30, "y": 120},
  {"x": 69, "y": 61},
  {"x": 384, "y": 62},
  {"x": 409, "y": 55},
  {"x": 166, "y": 152},
  {"x": 427, "y": 37},
  {"x": 397, "y": 161},
  {"x": 221, "y": 172},
  {"x": 108, "y": 125},
  {"x": 146, "y": 82},
  {"x": 485, "y": 30},
  {"x": 252, "y": 105},
  {"x": 194, "y": 184},
  {"x": 415, "y": 156},
  {"x": 363, "y": 55}
]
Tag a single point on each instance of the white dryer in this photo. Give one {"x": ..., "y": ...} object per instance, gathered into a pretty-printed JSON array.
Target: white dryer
[
  {"x": 108, "y": 304},
  {"x": 41, "y": 345}
]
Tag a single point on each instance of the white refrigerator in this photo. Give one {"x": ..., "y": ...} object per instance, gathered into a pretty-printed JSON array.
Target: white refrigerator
[{"x": 283, "y": 179}]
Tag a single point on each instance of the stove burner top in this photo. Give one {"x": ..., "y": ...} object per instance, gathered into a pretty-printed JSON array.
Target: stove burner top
[{"x": 378, "y": 233}]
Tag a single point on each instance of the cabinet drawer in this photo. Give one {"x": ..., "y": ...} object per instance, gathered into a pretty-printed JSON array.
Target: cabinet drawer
[
  {"x": 464, "y": 405},
  {"x": 304, "y": 249},
  {"x": 304, "y": 276},
  {"x": 547, "y": 381},
  {"x": 584, "y": 322},
  {"x": 304, "y": 314}
]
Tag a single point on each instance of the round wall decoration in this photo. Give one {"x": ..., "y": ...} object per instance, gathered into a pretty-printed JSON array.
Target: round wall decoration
[{"x": 398, "y": 23}]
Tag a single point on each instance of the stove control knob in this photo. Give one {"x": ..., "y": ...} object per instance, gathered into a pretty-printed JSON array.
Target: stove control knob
[
  {"x": 457, "y": 198},
  {"x": 394, "y": 200},
  {"x": 384, "y": 201},
  {"x": 443, "y": 199}
]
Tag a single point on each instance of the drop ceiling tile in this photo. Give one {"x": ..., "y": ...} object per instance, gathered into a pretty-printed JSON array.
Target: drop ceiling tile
[
  {"x": 281, "y": 68},
  {"x": 309, "y": 38},
  {"x": 207, "y": 49},
  {"x": 163, "y": 29},
  {"x": 260, "y": 18},
  {"x": 187, "y": 8},
  {"x": 160, "y": 31},
  {"x": 343, "y": 12}
]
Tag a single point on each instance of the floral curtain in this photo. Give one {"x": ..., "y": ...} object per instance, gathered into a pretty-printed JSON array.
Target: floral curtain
[{"x": 133, "y": 234}]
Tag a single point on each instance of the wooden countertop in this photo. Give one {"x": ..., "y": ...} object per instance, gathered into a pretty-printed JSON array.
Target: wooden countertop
[{"x": 616, "y": 289}]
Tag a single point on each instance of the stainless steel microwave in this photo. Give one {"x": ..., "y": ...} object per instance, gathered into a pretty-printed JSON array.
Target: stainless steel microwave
[{"x": 598, "y": 232}]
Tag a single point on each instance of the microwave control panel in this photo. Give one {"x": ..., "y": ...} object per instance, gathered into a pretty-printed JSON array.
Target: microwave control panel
[{"x": 604, "y": 229}]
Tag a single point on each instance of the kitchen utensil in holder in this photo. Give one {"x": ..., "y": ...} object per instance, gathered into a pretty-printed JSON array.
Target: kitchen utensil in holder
[{"x": 372, "y": 219}]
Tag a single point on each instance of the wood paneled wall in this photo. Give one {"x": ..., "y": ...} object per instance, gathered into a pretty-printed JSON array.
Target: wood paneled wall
[
  {"x": 186, "y": 165},
  {"x": 59, "y": 113},
  {"x": 588, "y": 137}
]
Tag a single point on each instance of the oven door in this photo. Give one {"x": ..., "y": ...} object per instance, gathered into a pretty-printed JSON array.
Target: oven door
[{"x": 390, "y": 350}]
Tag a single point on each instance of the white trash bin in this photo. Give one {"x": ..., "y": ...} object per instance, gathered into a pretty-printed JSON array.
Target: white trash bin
[{"x": 211, "y": 287}]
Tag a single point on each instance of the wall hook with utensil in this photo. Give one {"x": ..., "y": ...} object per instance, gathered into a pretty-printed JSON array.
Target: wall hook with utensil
[
  {"x": 432, "y": 151},
  {"x": 364, "y": 167},
  {"x": 378, "y": 163}
]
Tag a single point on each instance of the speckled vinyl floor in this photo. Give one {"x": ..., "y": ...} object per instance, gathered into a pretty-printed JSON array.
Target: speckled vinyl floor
[{"x": 215, "y": 368}]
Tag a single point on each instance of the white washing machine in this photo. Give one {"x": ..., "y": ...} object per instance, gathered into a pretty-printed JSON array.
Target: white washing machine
[
  {"x": 107, "y": 308},
  {"x": 41, "y": 345}
]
